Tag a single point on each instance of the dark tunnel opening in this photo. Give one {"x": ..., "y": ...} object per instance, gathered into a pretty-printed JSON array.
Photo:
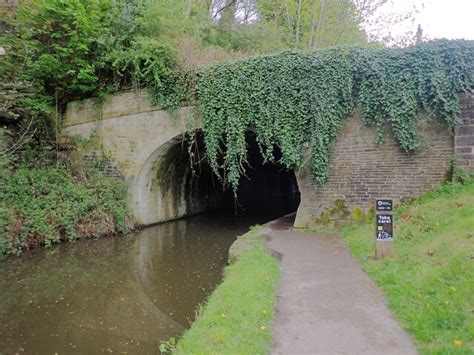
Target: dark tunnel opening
[{"x": 268, "y": 190}]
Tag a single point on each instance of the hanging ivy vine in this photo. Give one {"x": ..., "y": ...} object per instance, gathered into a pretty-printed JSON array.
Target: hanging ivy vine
[{"x": 295, "y": 100}]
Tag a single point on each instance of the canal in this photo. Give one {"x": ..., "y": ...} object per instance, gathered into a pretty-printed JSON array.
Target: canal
[{"x": 120, "y": 294}]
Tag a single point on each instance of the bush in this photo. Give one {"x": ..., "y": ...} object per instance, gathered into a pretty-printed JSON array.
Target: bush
[{"x": 49, "y": 205}]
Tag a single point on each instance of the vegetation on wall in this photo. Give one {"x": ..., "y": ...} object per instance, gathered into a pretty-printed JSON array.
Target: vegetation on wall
[
  {"x": 58, "y": 51},
  {"x": 296, "y": 100}
]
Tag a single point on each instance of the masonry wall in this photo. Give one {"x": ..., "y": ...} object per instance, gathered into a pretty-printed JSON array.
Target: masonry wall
[
  {"x": 107, "y": 167},
  {"x": 136, "y": 137},
  {"x": 361, "y": 171},
  {"x": 464, "y": 135}
]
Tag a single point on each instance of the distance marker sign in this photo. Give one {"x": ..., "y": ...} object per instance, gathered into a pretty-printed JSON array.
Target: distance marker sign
[{"x": 384, "y": 227}]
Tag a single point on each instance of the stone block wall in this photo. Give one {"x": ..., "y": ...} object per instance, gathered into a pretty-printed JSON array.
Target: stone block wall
[
  {"x": 136, "y": 137},
  {"x": 361, "y": 171},
  {"x": 464, "y": 135},
  {"x": 106, "y": 166}
]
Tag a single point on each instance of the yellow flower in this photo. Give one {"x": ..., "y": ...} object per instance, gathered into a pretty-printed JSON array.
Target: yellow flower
[
  {"x": 264, "y": 312},
  {"x": 457, "y": 343},
  {"x": 446, "y": 302},
  {"x": 453, "y": 289},
  {"x": 222, "y": 315},
  {"x": 262, "y": 327}
]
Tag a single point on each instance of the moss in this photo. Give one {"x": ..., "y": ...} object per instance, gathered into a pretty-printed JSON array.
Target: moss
[
  {"x": 357, "y": 215},
  {"x": 340, "y": 210},
  {"x": 324, "y": 219},
  {"x": 370, "y": 216}
]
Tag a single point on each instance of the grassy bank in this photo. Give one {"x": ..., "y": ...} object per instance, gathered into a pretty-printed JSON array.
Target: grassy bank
[
  {"x": 238, "y": 316},
  {"x": 430, "y": 282},
  {"x": 44, "y": 206}
]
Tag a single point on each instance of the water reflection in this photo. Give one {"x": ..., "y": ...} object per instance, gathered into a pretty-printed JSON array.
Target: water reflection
[{"x": 123, "y": 294}]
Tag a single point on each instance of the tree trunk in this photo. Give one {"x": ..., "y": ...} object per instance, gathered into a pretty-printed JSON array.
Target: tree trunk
[
  {"x": 313, "y": 25},
  {"x": 227, "y": 12},
  {"x": 320, "y": 22},
  {"x": 298, "y": 21}
]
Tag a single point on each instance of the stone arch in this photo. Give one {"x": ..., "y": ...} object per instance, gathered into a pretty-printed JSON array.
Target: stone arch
[{"x": 165, "y": 187}]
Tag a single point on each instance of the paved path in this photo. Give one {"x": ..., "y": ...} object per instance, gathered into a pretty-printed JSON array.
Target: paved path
[{"x": 326, "y": 304}]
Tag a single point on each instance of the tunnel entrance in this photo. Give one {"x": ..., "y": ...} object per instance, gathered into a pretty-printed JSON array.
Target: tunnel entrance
[
  {"x": 268, "y": 188},
  {"x": 171, "y": 188}
]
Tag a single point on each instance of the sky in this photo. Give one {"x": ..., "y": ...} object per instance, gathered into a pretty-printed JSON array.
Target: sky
[{"x": 452, "y": 19}]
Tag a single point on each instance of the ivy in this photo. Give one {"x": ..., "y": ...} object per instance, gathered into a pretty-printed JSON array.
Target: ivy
[{"x": 295, "y": 100}]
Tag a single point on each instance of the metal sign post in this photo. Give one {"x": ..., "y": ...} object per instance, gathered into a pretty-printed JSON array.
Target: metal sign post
[{"x": 383, "y": 229}]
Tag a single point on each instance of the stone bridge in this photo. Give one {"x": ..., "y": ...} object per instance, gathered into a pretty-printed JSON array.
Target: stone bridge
[{"x": 146, "y": 147}]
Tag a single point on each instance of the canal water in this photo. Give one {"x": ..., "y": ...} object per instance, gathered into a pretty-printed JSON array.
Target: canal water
[{"x": 116, "y": 295}]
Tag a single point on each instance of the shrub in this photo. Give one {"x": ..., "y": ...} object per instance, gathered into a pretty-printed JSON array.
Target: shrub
[{"x": 49, "y": 205}]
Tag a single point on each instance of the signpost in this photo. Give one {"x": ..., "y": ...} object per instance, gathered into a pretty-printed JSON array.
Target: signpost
[{"x": 384, "y": 229}]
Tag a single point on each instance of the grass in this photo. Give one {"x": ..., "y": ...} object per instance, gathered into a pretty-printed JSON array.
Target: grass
[
  {"x": 429, "y": 284},
  {"x": 238, "y": 316}
]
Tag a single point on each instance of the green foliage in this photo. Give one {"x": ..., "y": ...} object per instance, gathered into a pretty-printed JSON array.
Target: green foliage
[
  {"x": 58, "y": 51},
  {"x": 46, "y": 206},
  {"x": 168, "y": 346},
  {"x": 357, "y": 215},
  {"x": 458, "y": 174},
  {"x": 429, "y": 284},
  {"x": 296, "y": 100},
  {"x": 314, "y": 23},
  {"x": 152, "y": 64},
  {"x": 238, "y": 316},
  {"x": 64, "y": 40}
]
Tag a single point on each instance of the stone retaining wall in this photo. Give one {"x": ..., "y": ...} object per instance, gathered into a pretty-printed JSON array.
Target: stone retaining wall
[
  {"x": 145, "y": 146},
  {"x": 361, "y": 171},
  {"x": 464, "y": 135}
]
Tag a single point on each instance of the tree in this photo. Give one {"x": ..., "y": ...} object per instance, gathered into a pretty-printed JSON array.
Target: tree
[
  {"x": 314, "y": 23},
  {"x": 379, "y": 18}
]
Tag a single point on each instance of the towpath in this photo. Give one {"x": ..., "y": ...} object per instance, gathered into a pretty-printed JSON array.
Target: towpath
[{"x": 326, "y": 304}]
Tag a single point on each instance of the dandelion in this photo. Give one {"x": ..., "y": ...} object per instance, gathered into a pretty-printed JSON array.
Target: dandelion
[
  {"x": 222, "y": 315},
  {"x": 457, "y": 343},
  {"x": 446, "y": 302},
  {"x": 264, "y": 313},
  {"x": 262, "y": 328},
  {"x": 453, "y": 289}
]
